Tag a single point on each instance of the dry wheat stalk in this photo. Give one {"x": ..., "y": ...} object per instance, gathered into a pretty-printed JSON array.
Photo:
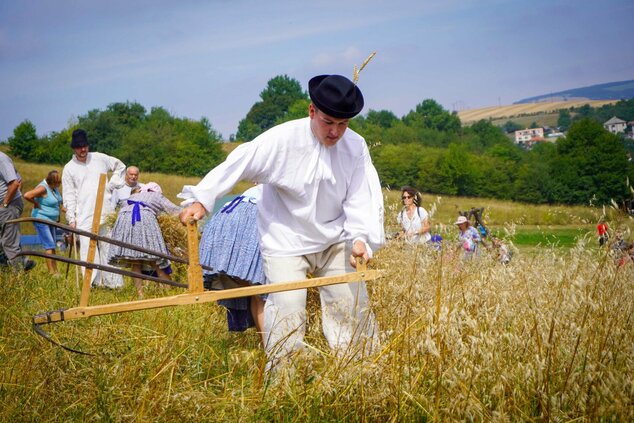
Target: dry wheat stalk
[{"x": 356, "y": 72}]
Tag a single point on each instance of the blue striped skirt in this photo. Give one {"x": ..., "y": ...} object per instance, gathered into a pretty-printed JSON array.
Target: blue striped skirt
[{"x": 230, "y": 244}]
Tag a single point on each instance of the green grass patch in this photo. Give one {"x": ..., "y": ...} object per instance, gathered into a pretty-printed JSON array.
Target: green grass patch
[{"x": 560, "y": 237}]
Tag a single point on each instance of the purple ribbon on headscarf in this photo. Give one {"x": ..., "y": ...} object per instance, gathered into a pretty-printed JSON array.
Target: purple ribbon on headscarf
[{"x": 136, "y": 210}]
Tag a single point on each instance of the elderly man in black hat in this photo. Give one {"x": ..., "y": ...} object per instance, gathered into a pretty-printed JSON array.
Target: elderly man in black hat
[
  {"x": 80, "y": 182},
  {"x": 321, "y": 208}
]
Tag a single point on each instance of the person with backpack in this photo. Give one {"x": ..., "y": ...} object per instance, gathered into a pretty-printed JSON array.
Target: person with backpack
[
  {"x": 602, "y": 228},
  {"x": 413, "y": 219},
  {"x": 469, "y": 237}
]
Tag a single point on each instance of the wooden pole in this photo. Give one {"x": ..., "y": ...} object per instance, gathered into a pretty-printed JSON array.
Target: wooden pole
[
  {"x": 96, "y": 219},
  {"x": 194, "y": 271},
  {"x": 202, "y": 297},
  {"x": 74, "y": 239}
]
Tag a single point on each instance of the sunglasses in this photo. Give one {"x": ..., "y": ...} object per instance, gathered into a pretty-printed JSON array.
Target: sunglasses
[{"x": 406, "y": 196}]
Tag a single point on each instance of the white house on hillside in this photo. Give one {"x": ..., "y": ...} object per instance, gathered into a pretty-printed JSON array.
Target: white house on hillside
[
  {"x": 529, "y": 134},
  {"x": 615, "y": 125}
]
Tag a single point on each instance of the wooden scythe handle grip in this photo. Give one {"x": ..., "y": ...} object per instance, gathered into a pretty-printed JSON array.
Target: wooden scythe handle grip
[
  {"x": 194, "y": 271},
  {"x": 362, "y": 265}
]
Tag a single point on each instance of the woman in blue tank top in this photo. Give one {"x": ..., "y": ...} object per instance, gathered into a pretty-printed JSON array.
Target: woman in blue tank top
[{"x": 47, "y": 204}]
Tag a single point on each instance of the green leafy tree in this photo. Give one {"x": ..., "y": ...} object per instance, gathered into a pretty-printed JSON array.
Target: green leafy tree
[
  {"x": 454, "y": 173},
  {"x": 247, "y": 130},
  {"x": 172, "y": 145},
  {"x": 400, "y": 133},
  {"x": 428, "y": 177},
  {"x": 584, "y": 111},
  {"x": 490, "y": 176},
  {"x": 511, "y": 126},
  {"x": 297, "y": 110},
  {"x": 533, "y": 183},
  {"x": 623, "y": 109},
  {"x": 107, "y": 129},
  {"x": 430, "y": 114},
  {"x": 398, "y": 165},
  {"x": 564, "y": 120},
  {"x": 382, "y": 118},
  {"x": 591, "y": 163},
  {"x": 280, "y": 93},
  {"x": 24, "y": 141},
  {"x": 486, "y": 135},
  {"x": 55, "y": 148}
]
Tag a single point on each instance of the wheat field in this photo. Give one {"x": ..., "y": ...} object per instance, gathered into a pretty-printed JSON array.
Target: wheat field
[
  {"x": 497, "y": 112},
  {"x": 546, "y": 337}
]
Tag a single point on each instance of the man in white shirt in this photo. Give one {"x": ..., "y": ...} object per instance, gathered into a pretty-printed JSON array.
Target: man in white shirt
[
  {"x": 121, "y": 195},
  {"x": 321, "y": 208},
  {"x": 80, "y": 182}
]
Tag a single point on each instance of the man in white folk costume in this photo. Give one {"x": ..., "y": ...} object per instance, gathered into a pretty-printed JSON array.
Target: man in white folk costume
[
  {"x": 80, "y": 182},
  {"x": 321, "y": 208}
]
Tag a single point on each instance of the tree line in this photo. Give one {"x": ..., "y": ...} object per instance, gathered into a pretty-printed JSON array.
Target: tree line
[
  {"x": 427, "y": 148},
  {"x": 155, "y": 141}
]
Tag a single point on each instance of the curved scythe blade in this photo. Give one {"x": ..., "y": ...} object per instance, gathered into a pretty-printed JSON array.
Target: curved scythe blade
[{"x": 37, "y": 328}]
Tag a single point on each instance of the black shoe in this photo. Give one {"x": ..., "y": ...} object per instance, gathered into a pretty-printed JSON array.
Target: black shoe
[{"x": 28, "y": 265}]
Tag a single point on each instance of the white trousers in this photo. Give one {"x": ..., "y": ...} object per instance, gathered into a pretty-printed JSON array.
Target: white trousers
[
  {"x": 99, "y": 278},
  {"x": 347, "y": 321}
]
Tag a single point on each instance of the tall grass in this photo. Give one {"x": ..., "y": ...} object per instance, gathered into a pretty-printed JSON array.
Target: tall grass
[{"x": 548, "y": 337}]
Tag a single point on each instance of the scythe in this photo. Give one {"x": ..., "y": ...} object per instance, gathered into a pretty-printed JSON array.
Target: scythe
[{"x": 195, "y": 292}]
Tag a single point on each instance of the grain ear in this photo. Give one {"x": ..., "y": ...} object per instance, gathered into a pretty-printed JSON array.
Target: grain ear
[{"x": 356, "y": 71}]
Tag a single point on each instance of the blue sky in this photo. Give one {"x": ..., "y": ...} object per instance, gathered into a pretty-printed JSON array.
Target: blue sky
[{"x": 59, "y": 59}]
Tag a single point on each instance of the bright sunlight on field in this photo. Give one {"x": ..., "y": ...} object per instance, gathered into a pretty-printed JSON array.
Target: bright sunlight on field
[{"x": 548, "y": 337}]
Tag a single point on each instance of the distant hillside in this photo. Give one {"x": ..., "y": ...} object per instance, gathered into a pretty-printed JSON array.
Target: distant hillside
[
  {"x": 622, "y": 90},
  {"x": 526, "y": 109}
]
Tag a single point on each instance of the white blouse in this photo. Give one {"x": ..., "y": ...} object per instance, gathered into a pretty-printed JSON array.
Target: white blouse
[{"x": 413, "y": 226}]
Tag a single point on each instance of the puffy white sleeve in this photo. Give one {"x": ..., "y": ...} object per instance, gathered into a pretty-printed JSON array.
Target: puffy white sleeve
[
  {"x": 116, "y": 166},
  {"x": 69, "y": 195},
  {"x": 364, "y": 207},
  {"x": 247, "y": 162}
]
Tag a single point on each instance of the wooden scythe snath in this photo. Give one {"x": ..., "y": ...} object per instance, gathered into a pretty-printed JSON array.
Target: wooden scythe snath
[
  {"x": 195, "y": 292},
  {"x": 96, "y": 220}
]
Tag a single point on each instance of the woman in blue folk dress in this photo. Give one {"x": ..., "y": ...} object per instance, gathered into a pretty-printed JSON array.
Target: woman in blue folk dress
[
  {"x": 230, "y": 245},
  {"x": 137, "y": 225}
]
